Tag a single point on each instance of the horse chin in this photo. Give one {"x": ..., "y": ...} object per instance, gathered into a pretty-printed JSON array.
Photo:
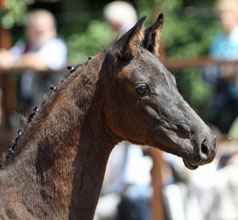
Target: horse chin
[
  {"x": 187, "y": 163},
  {"x": 190, "y": 165}
]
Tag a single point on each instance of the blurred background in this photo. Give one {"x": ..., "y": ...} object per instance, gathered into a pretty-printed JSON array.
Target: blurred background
[{"x": 189, "y": 30}]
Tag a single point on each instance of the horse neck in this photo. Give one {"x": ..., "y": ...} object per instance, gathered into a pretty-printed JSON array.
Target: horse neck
[{"x": 66, "y": 148}]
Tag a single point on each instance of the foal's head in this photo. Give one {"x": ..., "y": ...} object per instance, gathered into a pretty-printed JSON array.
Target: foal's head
[{"x": 143, "y": 104}]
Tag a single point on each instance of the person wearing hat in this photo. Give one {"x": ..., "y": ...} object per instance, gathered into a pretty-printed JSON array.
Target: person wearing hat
[{"x": 120, "y": 15}]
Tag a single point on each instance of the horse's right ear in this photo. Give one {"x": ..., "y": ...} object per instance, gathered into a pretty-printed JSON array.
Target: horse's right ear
[
  {"x": 127, "y": 45},
  {"x": 152, "y": 36}
]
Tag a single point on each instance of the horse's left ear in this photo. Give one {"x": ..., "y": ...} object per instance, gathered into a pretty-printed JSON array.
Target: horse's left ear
[
  {"x": 127, "y": 45},
  {"x": 152, "y": 36}
]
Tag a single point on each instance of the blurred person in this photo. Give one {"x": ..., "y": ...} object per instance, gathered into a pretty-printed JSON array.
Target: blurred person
[
  {"x": 225, "y": 78},
  {"x": 127, "y": 190},
  {"x": 37, "y": 59},
  {"x": 213, "y": 191},
  {"x": 120, "y": 15}
]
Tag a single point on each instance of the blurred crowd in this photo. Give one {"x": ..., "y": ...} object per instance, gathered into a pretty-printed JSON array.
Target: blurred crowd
[
  {"x": 209, "y": 193},
  {"x": 224, "y": 108},
  {"x": 38, "y": 59}
]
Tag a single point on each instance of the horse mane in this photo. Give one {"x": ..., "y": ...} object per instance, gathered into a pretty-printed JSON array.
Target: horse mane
[{"x": 14, "y": 149}]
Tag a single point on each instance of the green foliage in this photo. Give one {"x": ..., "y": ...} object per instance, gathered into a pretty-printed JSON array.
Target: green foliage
[
  {"x": 190, "y": 35},
  {"x": 145, "y": 8},
  {"x": 189, "y": 28},
  {"x": 13, "y": 12},
  {"x": 97, "y": 36},
  {"x": 195, "y": 91},
  {"x": 233, "y": 133}
]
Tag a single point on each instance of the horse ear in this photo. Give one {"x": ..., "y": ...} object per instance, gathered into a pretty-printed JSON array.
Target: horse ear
[
  {"x": 127, "y": 45},
  {"x": 152, "y": 36}
]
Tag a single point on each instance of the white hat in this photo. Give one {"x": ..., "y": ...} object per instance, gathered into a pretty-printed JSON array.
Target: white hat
[
  {"x": 120, "y": 12},
  {"x": 231, "y": 5}
]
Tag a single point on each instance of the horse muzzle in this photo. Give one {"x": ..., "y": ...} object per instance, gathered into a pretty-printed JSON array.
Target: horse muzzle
[{"x": 204, "y": 153}]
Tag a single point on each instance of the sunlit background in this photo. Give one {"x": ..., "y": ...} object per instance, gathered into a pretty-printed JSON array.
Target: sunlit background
[{"x": 189, "y": 28}]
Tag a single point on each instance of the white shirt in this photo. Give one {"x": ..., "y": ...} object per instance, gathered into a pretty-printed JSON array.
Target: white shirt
[{"x": 53, "y": 53}]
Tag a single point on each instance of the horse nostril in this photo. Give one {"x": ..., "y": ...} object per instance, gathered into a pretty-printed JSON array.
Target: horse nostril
[{"x": 204, "y": 150}]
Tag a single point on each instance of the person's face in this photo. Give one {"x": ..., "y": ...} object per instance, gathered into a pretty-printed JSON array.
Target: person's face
[
  {"x": 39, "y": 31},
  {"x": 228, "y": 19},
  {"x": 115, "y": 26}
]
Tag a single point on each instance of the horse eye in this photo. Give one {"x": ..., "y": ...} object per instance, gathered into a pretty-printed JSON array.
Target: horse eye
[{"x": 142, "y": 89}]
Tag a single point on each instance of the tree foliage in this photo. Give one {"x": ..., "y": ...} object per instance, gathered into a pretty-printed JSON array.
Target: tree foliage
[
  {"x": 189, "y": 28},
  {"x": 188, "y": 31},
  {"x": 13, "y": 12},
  {"x": 96, "y": 36}
]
